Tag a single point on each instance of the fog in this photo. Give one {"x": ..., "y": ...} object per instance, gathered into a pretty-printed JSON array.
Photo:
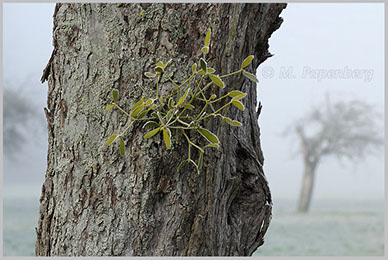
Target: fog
[
  {"x": 342, "y": 37},
  {"x": 339, "y": 52}
]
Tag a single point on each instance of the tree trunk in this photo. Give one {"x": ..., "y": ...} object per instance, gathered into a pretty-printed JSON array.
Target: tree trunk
[
  {"x": 95, "y": 202},
  {"x": 307, "y": 187}
]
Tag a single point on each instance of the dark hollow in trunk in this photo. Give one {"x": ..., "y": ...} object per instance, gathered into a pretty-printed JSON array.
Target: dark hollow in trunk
[{"x": 95, "y": 202}]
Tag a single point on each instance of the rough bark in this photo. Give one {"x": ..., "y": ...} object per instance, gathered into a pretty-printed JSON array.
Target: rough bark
[{"x": 94, "y": 202}]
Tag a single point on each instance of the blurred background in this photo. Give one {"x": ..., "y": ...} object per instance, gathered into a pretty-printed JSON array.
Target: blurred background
[{"x": 327, "y": 74}]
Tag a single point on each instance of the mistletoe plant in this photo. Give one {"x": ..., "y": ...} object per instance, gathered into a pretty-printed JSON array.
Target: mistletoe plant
[{"x": 179, "y": 112}]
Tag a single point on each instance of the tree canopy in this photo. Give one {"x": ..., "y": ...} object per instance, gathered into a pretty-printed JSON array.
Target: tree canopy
[{"x": 344, "y": 129}]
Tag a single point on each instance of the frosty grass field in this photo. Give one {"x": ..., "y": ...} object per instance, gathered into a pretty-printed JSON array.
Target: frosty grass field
[{"x": 332, "y": 228}]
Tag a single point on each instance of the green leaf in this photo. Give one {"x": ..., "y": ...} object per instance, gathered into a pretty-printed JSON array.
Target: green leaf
[
  {"x": 108, "y": 107},
  {"x": 203, "y": 64},
  {"x": 137, "y": 104},
  {"x": 151, "y": 123},
  {"x": 201, "y": 72},
  {"x": 137, "y": 110},
  {"x": 213, "y": 96},
  {"x": 216, "y": 80},
  {"x": 228, "y": 120},
  {"x": 142, "y": 114},
  {"x": 210, "y": 70},
  {"x": 110, "y": 140},
  {"x": 182, "y": 99},
  {"x": 208, "y": 135},
  {"x": 200, "y": 161},
  {"x": 159, "y": 69},
  {"x": 149, "y": 101},
  {"x": 239, "y": 96},
  {"x": 188, "y": 106},
  {"x": 181, "y": 164},
  {"x": 247, "y": 61},
  {"x": 213, "y": 145},
  {"x": 250, "y": 76},
  {"x": 122, "y": 147},
  {"x": 154, "y": 115},
  {"x": 170, "y": 103},
  {"x": 235, "y": 93},
  {"x": 149, "y": 74},
  {"x": 194, "y": 68},
  {"x": 115, "y": 94},
  {"x": 160, "y": 64},
  {"x": 167, "y": 137},
  {"x": 238, "y": 104},
  {"x": 207, "y": 38},
  {"x": 205, "y": 50},
  {"x": 218, "y": 116},
  {"x": 151, "y": 133},
  {"x": 235, "y": 123}
]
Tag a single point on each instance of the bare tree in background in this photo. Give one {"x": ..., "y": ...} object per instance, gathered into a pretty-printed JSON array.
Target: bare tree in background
[
  {"x": 346, "y": 130},
  {"x": 20, "y": 116}
]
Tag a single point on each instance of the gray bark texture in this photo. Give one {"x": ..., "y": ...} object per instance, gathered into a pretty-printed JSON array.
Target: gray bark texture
[{"x": 95, "y": 202}]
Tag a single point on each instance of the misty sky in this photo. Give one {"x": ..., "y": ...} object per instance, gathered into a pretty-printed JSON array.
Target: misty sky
[
  {"x": 317, "y": 37},
  {"x": 313, "y": 39}
]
